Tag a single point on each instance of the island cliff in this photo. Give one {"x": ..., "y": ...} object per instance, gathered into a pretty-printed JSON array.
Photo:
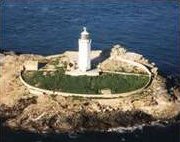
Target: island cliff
[{"x": 20, "y": 109}]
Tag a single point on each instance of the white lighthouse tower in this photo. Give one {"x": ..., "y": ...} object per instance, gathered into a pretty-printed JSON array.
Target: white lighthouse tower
[{"x": 84, "y": 62}]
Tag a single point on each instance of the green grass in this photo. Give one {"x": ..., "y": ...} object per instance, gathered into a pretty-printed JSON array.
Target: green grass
[{"x": 58, "y": 81}]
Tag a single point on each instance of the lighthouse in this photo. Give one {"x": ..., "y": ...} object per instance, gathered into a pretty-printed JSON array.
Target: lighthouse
[{"x": 84, "y": 62}]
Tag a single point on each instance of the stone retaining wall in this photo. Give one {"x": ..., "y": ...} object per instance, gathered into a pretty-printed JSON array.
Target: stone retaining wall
[{"x": 39, "y": 91}]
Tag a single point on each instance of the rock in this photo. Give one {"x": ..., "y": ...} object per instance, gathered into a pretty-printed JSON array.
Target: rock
[
  {"x": 133, "y": 56},
  {"x": 154, "y": 71},
  {"x": 10, "y": 53},
  {"x": 8, "y": 112},
  {"x": 120, "y": 66},
  {"x": 31, "y": 65},
  {"x": 2, "y": 57},
  {"x": 176, "y": 92},
  {"x": 153, "y": 64},
  {"x": 117, "y": 50}
]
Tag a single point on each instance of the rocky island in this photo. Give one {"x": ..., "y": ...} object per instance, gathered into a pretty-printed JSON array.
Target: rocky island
[
  {"x": 22, "y": 109},
  {"x": 84, "y": 91}
]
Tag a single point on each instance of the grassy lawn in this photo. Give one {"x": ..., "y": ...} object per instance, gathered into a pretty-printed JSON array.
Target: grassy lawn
[{"x": 58, "y": 81}]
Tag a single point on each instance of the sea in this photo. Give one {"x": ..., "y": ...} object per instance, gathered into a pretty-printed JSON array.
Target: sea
[{"x": 46, "y": 27}]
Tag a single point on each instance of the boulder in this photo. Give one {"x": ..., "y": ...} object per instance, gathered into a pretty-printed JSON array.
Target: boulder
[
  {"x": 117, "y": 50},
  {"x": 133, "y": 56},
  {"x": 1, "y": 58},
  {"x": 154, "y": 70}
]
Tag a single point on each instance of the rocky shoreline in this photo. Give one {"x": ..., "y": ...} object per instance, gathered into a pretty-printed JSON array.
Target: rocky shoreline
[
  {"x": 82, "y": 121},
  {"x": 20, "y": 110}
]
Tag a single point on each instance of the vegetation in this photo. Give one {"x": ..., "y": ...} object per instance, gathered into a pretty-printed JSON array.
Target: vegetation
[{"x": 58, "y": 81}]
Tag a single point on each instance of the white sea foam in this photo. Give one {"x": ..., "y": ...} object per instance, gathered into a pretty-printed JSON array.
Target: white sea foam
[{"x": 136, "y": 127}]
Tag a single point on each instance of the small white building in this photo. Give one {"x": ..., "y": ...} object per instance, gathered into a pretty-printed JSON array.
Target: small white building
[{"x": 84, "y": 59}]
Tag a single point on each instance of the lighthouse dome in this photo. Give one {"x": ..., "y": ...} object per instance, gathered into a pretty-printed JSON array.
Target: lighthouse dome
[{"x": 84, "y": 33}]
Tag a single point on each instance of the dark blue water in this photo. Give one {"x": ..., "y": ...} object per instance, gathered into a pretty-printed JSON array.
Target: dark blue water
[
  {"x": 169, "y": 133},
  {"x": 147, "y": 27}
]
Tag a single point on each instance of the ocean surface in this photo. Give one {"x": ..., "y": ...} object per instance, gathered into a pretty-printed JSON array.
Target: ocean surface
[
  {"x": 148, "y": 27},
  {"x": 154, "y": 133}
]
